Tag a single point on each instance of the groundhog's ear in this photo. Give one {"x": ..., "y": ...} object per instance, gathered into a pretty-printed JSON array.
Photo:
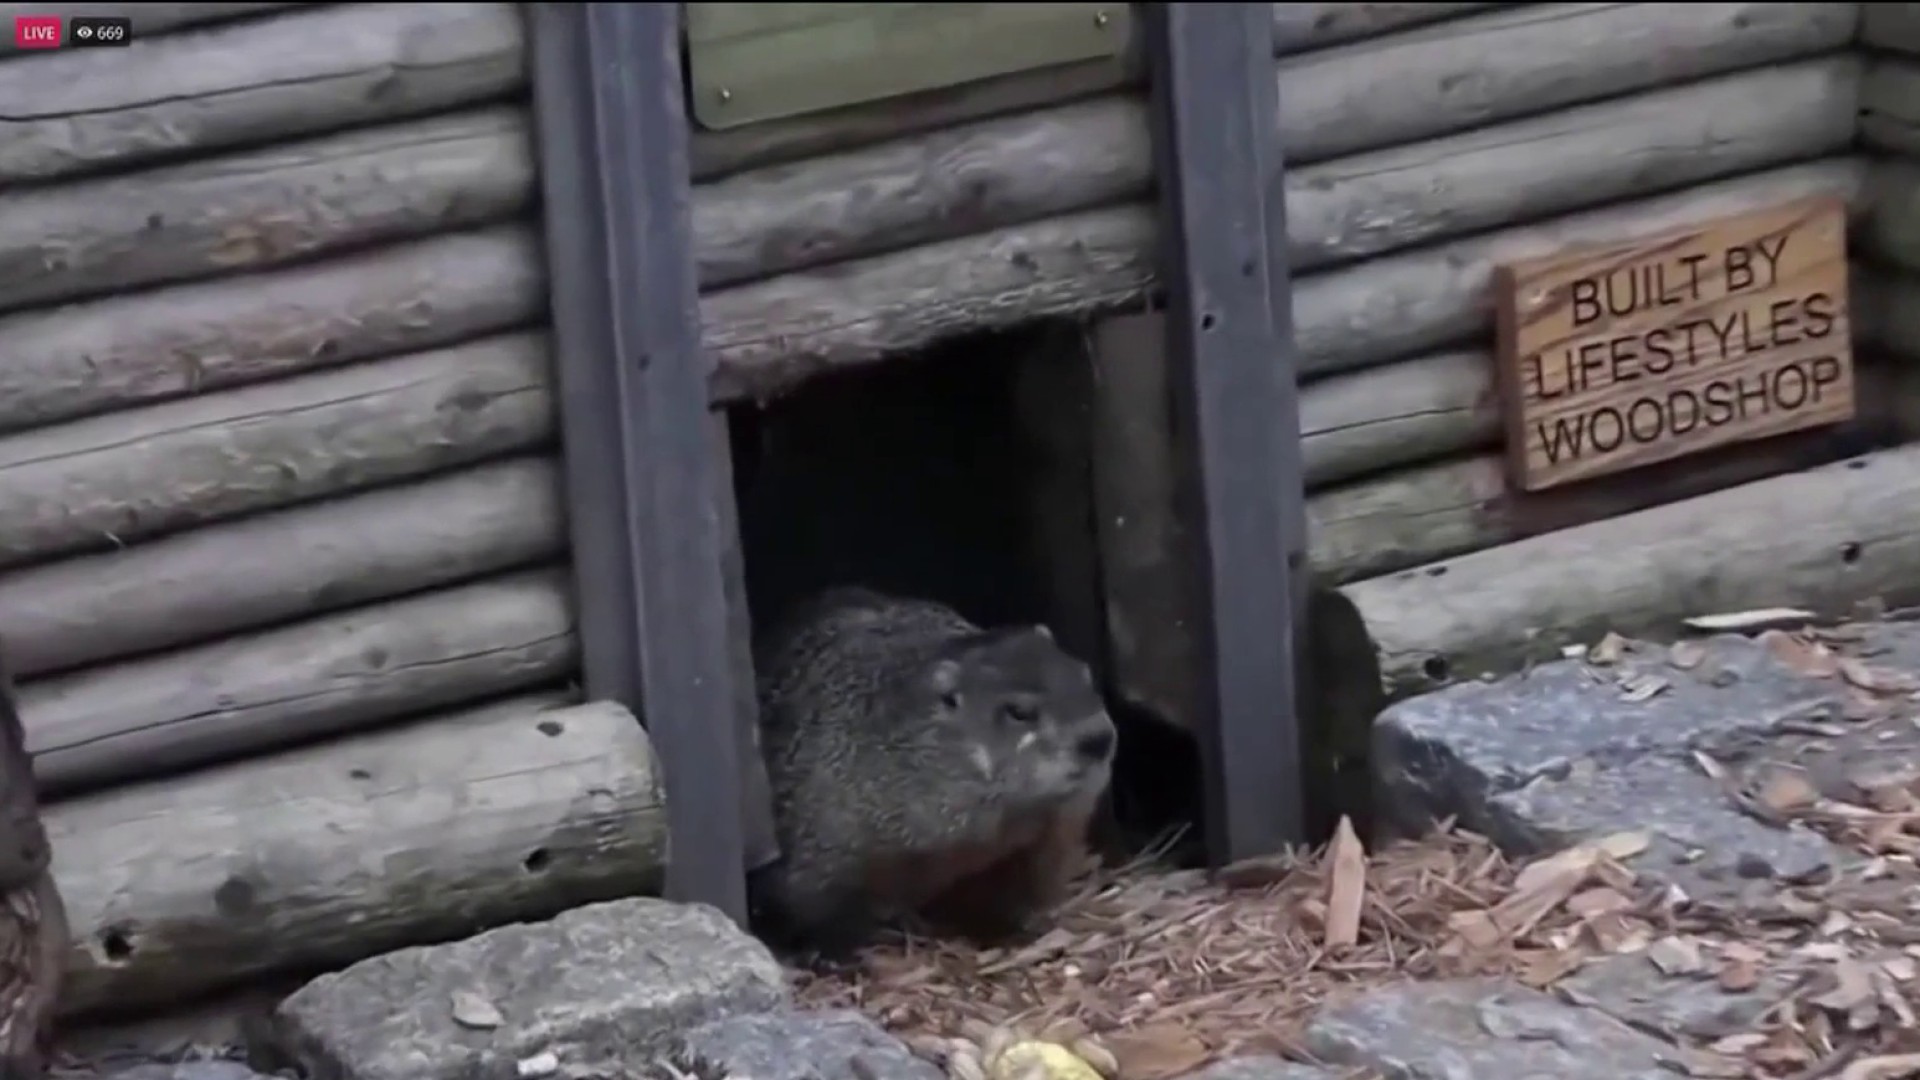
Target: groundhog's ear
[
  {"x": 1041, "y": 629},
  {"x": 944, "y": 676}
]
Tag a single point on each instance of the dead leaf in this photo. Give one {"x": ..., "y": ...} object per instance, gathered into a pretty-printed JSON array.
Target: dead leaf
[
  {"x": 1786, "y": 790},
  {"x": 1877, "y": 679},
  {"x": 1622, "y": 846},
  {"x": 1737, "y": 976},
  {"x": 1676, "y": 956},
  {"x": 1882, "y": 1067},
  {"x": 1542, "y": 886},
  {"x": 1609, "y": 651},
  {"x": 1595, "y": 902},
  {"x": 1852, "y": 987},
  {"x": 1346, "y": 886},
  {"x": 1476, "y": 929},
  {"x": 1746, "y": 622},
  {"x": 1713, "y": 769},
  {"x": 1800, "y": 656},
  {"x": 470, "y": 1010},
  {"x": 1642, "y": 687},
  {"x": 1157, "y": 1051},
  {"x": 1686, "y": 655}
]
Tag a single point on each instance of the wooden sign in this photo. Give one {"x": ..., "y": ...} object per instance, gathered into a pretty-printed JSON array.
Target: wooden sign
[
  {"x": 752, "y": 62},
  {"x": 1619, "y": 356}
]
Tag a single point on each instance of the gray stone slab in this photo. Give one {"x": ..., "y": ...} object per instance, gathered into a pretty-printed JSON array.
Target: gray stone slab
[
  {"x": 1483, "y": 1029},
  {"x": 1630, "y": 988},
  {"x": 1260, "y": 1067},
  {"x": 603, "y": 988},
  {"x": 187, "y": 1070},
  {"x": 800, "y": 1045},
  {"x": 1698, "y": 839},
  {"x": 1545, "y": 758}
]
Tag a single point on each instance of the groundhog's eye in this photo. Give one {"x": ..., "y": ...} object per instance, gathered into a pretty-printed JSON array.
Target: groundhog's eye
[{"x": 1019, "y": 712}]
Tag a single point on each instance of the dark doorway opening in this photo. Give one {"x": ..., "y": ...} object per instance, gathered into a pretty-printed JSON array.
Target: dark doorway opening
[{"x": 960, "y": 475}]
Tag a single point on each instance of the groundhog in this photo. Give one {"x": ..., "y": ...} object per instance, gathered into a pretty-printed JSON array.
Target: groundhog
[
  {"x": 921, "y": 766},
  {"x": 33, "y": 921}
]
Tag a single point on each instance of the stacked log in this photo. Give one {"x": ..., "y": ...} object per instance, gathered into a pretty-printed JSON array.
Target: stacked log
[
  {"x": 277, "y": 417},
  {"x": 1393, "y": 318},
  {"x": 1890, "y": 125}
]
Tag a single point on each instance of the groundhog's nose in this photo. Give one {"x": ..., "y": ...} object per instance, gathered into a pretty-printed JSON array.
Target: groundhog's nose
[{"x": 1096, "y": 745}]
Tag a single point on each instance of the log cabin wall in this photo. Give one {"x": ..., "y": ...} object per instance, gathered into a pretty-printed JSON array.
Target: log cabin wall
[
  {"x": 278, "y": 481},
  {"x": 1418, "y": 160},
  {"x": 1890, "y": 135}
]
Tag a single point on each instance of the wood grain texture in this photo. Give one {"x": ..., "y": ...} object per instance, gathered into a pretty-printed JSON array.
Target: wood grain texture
[
  {"x": 274, "y": 567},
  {"x": 106, "y": 481},
  {"x": 261, "y": 867},
  {"x": 1372, "y": 203},
  {"x": 263, "y": 208},
  {"x": 1530, "y": 58},
  {"x": 771, "y": 335},
  {"x": 1784, "y": 541},
  {"x": 1894, "y": 27},
  {"x": 1411, "y": 302},
  {"x": 1613, "y": 357},
  {"x": 323, "y": 676},
  {"x": 1893, "y": 226},
  {"x": 1297, "y": 28},
  {"x": 83, "y": 110},
  {"x": 983, "y": 176},
  {"x": 1890, "y": 106},
  {"x": 1891, "y": 300},
  {"x": 198, "y": 337}
]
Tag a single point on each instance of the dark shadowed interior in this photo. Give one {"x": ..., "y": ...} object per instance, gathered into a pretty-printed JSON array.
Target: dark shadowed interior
[{"x": 915, "y": 477}]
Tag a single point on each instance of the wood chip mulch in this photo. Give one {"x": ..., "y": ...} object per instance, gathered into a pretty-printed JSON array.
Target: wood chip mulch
[{"x": 1151, "y": 973}]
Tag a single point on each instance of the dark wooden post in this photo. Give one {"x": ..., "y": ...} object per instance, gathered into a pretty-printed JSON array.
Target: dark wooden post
[
  {"x": 642, "y": 479},
  {"x": 1233, "y": 376}
]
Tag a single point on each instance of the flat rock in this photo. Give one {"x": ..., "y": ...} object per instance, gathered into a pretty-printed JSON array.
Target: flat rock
[
  {"x": 1260, "y": 1067},
  {"x": 838, "y": 1044},
  {"x": 603, "y": 988},
  {"x": 187, "y": 1070},
  {"x": 1483, "y": 1029},
  {"x": 1632, "y": 989},
  {"x": 1540, "y": 760}
]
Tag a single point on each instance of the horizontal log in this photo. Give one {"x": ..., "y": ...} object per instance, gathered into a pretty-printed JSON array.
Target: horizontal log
[
  {"x": 274, "y": 567},
  {"x": 1447, "y": 508},
  {"x": 1895, "y": 313},
  {"x": 1418, "y": 410},
  {"x": 108, "y": 480},
  {"x": 1821, "y": 539},
  {"x": 1430, "y": 298},
  {"x": 1373, "y": 203},
  {"x": 1296, "y": 28},
  {"x": 324, "y": 676},
  {"x": 768, "y": 336},
  {"x": 84, "y": 110},
  {"x": 151, "y": 346},
  {"x": 1890, "y": 106},
  {"x": 984, "y": 176},
  {"x": 316, "y": 857},
  {"x": 148, "y": 19},
  {"x": 263, "y": 207},
  {"x": 1307, "y": 26},
  {"x": 1892, "y": 26},
  {"x": 1531, "y": 58},
  {"x": 1893, "y": 232}
]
